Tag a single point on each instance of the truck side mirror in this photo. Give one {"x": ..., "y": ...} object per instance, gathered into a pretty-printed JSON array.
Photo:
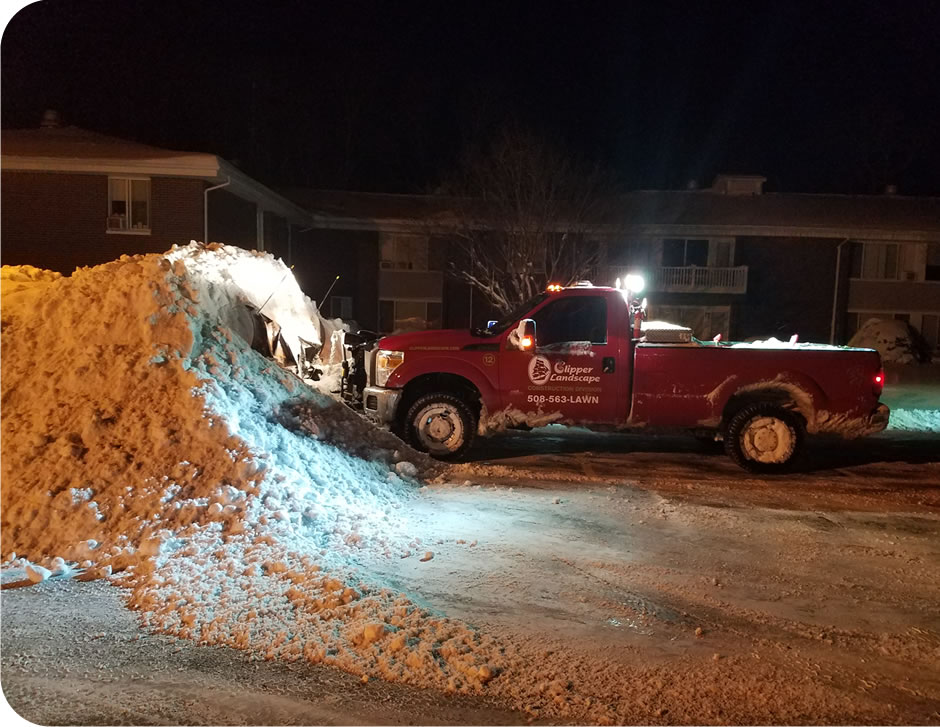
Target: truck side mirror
[
  {"x": 528, "y": 334},
  {"x": 522, "y": 337}
]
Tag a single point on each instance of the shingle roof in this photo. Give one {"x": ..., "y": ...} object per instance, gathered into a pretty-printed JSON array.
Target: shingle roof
[
  {"x": 70, "y": 142},
  {"x": 670, "y": 212},
  {"x": 779, "y": 210}
]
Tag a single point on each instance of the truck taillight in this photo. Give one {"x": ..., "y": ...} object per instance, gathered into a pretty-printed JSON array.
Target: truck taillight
[{"x": 879, "y": 383}]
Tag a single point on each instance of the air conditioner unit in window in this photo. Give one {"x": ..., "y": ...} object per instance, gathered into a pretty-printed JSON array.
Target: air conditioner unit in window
[{"x": 116, "y": 222}]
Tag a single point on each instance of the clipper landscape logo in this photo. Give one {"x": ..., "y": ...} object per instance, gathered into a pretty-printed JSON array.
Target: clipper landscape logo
[{"x": 540, "y": 370}]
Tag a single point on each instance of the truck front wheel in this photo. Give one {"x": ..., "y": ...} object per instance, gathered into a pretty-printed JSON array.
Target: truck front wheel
[
  {"x": 443, "y": 425},
  {"x": 764, "y": 438}
]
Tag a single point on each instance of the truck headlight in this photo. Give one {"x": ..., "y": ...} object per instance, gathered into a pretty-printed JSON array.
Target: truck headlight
[{"x": 385, "y": 363}]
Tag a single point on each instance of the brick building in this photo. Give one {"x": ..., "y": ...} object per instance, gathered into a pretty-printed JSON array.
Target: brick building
[
  {"x": 72, "y": 197},
  {"x": 729, "y": 259}
]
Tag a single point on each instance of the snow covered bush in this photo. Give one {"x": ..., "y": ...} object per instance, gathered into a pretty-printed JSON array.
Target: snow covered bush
[{"x": 895, "y": 340}]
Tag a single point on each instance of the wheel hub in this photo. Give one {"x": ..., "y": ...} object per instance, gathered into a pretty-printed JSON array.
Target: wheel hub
[
  {"x": 439, "y": 428},
  {"x": 768, "y": 439}
]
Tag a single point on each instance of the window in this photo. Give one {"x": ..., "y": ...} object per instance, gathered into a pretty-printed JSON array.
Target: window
[
  {"x": 128, "y": 205},
  {"x": 875, "y": 261},
  {"x": 578, "y": 318},
  {"x": 930, "y": 327},
  {"x": 409, "y": 315},
  {"x": 404, "y": 252},
  {"x": 680, "y": 253},
  {"x": 341, "y": 306},
  {"x": 932, "y": 271}
]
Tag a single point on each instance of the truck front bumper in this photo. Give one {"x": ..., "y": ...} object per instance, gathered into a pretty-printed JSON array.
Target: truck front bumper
[{"x": 380, "y": 404}]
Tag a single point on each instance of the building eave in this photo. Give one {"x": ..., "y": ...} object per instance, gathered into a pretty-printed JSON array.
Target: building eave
[
  {"x": 328, "y": 222},
  {"x": 250, "y": 189},
  {"x": 205, "y": 166}
]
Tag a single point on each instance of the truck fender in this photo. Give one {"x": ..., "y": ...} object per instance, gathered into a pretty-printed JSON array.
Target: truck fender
[
  {"x": 407, "y": 373},
  {"x": 794, "y": 386}
]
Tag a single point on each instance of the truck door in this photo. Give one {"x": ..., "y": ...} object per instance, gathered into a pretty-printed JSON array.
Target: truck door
[{"x": 573, "y": 368}]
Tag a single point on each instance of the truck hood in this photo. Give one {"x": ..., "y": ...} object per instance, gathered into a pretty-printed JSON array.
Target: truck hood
[{"x": 450, "y": 339}]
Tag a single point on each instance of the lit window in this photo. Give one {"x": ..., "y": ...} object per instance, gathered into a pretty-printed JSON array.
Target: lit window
[{"x": 128, "y": 205}]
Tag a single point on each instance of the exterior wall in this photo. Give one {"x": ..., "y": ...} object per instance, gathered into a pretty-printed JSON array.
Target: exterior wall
[
  {"x": 58, "y": 221},
  {"x": 231, "y": 220},
  {"x": 790, "y": 287},
  {"x": 893, "y": 295},
  {"x": 320, "y": 255}
]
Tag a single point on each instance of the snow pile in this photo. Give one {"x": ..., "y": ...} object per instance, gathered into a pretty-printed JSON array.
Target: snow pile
[
  {"x": 144, "y": 441},
  {"x": 792, "y": 343},
  {"x": 915, "y": 420},
  {"x": 895, "y": 340}
]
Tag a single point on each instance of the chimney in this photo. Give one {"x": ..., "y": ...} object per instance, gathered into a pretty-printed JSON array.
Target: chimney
[
  {"x": 50, "y": 119},
  {"x": 739, "y": 184}
]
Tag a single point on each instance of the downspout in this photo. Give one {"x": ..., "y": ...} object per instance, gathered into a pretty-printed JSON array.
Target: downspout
[
  {"x": 205, "y": 208},
  {"x": 835, "y": 292}
]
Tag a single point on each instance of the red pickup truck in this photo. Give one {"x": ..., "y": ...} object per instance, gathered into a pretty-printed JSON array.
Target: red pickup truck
[{"x": 579, "y": 355}]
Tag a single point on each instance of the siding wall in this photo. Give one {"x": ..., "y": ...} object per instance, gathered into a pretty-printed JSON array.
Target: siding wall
[
  {"x": 231, "y": 220},
  {"x": 789, "y": 289},
  {"x": 894, "y": 295},
  {"x": 58, "y": 221},
  {"x": 320, "y": 255}
]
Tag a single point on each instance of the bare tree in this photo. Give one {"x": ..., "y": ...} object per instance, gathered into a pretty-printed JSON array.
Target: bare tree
[{"x": 523, "y": 209}]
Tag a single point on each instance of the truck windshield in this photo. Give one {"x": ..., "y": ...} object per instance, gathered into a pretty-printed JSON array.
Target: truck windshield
[{"x": 513, "y": 317}]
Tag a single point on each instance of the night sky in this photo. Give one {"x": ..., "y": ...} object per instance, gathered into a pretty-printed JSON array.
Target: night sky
[{"x": 818, "y": 97}]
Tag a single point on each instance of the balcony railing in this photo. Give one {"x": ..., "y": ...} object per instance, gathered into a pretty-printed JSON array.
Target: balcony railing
[{"x": 692, "y": 279}]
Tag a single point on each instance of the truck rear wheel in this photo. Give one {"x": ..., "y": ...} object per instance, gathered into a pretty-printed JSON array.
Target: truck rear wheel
[
  {"x": 764, "y": 438},
  {"x": 443, "y": 425}
]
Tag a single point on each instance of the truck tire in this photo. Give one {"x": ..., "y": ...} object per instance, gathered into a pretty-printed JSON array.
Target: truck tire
[
  {"x": 764, "y": 438},
  {"x": 443, "y": 425}
]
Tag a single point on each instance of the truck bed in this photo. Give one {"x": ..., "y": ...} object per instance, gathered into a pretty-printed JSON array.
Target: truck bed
[{"x": 675, "y": 385}]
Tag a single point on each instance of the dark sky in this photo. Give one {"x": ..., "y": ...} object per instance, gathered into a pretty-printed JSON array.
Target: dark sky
[{"x": 817, "y": 96}]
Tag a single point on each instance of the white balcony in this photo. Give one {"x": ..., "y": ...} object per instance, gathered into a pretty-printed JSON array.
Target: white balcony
[{"x": 691, "y": 279}]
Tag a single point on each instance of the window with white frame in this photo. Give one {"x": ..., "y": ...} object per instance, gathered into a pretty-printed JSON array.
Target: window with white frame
[
  {"x": 875, "y": 261},
  {"x": 128, "y": 204},
  {"x": 712, "y": 253}
]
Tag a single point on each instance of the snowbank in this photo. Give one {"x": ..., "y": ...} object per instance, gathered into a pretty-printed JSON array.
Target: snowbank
[
  {"x": 144, "y": 440},
  {"x": 895, "y": 340},
  {"x": 915, "y": 420}
]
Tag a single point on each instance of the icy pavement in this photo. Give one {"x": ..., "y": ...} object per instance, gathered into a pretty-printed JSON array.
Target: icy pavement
[{"x": 694, "y": 600}]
